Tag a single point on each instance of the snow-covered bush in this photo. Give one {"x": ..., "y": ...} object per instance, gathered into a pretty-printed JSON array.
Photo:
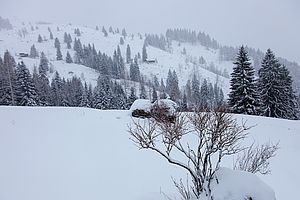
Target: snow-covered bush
[
  {"x": 163, "y": 109},
  {"x": 141, "y": 108},
  {"x": 203, "y": 138},
  {"x": 197, "y": 142}
]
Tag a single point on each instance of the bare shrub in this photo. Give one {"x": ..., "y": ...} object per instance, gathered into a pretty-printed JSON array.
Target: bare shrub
[
  {"x": 256, "y": 158},
  {"x": 203, "y": 138}
]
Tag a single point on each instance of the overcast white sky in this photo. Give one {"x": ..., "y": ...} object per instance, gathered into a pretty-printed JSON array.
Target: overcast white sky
[{"x": 257, "y": 23}]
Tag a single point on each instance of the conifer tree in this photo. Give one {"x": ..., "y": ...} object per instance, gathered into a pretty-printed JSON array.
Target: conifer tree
[
  {"x": 143, "y": 93},
  {"x": 128, "y": 54},
  {"x": 57, "y": 90},
  {"x": 40, "y": 39},
  {"x": 132, "y": 97},
  {"x": 275, "y": 86},
  {"x": 243, "y": 97},
  {"x": 195, "y": 92},
  {"x": 33, "y": 52},
  {"x": 104, "y": 32},
  {"x": 51, "y": 36},
  {"x": 144, "y": 53},
  {"x": 69, "y": 58},
  {"x": 8, "y": 80},
  {"x": 58, "y": 54},
  {"x": 56, "y": 43},
  {"x": 44, "y": 64},
  {"x": 154, "y": 95},
  {"x": 121, "y": 41},
  {"x": 25, "y": 88},
  {"x": 204, "y": 94},
  {"x": 124, "y": 34}
]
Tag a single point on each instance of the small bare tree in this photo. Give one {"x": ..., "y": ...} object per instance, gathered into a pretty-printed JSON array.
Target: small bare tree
[
  {"x": 256, "y": 158},
  {"x": 203, "y": 138}
]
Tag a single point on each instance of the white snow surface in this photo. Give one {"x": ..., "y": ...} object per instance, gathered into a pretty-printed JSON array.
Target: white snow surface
[
  {"x": 79, "y": 153},
  {"x": 141, "y": 104},
  {"x": 237, "y": 185}
]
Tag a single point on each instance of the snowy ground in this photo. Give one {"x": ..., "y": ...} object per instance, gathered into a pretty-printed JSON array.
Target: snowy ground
[{"x": 77, "y": 153}]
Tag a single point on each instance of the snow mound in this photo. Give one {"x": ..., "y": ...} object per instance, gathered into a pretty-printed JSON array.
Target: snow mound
[
  {"x": 240, "y": 185},
  {"x": 167, "y": 103},
  {"x": 141, "y": 104}
]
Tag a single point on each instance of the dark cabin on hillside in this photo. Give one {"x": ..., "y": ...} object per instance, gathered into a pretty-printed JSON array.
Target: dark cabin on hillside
[
  {"x": 151, "y": 61},
  {"x": 23, "y": 55}
]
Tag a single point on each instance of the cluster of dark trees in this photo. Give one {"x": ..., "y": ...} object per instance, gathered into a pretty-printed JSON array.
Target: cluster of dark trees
[
  {"x": 158, "y": 41},
  {"x": 18, "y": 87},
  {"x": 271, "y": 95},
  {"x": 5, "y": 24},
  {"x": 185, "y": 35}
]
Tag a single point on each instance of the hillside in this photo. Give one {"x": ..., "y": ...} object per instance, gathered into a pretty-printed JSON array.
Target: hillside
[
  {"x": 77, "y": 153},
  {"x": 186, "y": 65}
]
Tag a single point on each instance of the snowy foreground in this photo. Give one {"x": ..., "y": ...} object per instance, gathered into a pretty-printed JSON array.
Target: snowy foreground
[{"x": 77, "y": 153}]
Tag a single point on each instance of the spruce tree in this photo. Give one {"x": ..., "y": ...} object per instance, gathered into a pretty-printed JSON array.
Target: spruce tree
[
  {"x": 132, "y": 97},
  {"x": 275, "y": 86},
  {"x": 121, "y": 41},
  {"x": 40, "y": 39},
  {"x": 69, "y": 58},
  {"x": 128, "y": 54},
  {"x": 25, "y": 88},
  {"x": 243, "y": 97},
  {"x": 143, "y": 93},
  {"x": 58, "y": 54},
  {"x": 154, "y": 95},
  {"x": 44, "y": 64},
  {"x": 33, "y": 52},
  {"x": 56, "y": 43},
  {"x": 144, "y": 53},
  {"x": 51, "y": 36},
  {"x": 104, "y": 32},
  {"x": 8, "y": 80}
]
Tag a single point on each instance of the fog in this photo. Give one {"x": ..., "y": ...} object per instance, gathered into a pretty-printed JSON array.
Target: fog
[{"x": 261, "y": 24}]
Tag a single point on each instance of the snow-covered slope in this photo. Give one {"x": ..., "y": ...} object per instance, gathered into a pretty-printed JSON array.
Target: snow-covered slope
[
  {"x": 174, "y": 60},
  {"x": 77, "y": 153}
]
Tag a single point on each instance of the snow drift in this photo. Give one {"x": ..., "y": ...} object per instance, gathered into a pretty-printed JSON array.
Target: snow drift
[{"x": 77, "y": 153}]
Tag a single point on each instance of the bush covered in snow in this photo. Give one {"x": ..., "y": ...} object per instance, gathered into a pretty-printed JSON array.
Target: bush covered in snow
[{"x": 163, "y": 109}]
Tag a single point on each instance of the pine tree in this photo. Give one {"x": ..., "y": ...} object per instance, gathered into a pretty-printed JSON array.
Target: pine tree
[
  {"x": 8, "y": 80},
  {"x": 195, "y": 92},
  {"x": 204, "y": 94},
  {"x": 56, "y": 43},
  {"x": 132, "y": 97},
  {"x": 57, "y": 90},
  {"x": 44, "y": 64},
  {"x": 104, "y": 32},
  {"x": 275, "y": 86},
  {"x": 124, "y": 34},
  {"x": 154, "y": 95},
  {"x": 143, "y": 93},
  {"x": 51, "y": 36},
  {"x": 103, "y": 94},
  {"x": 121, "y": 41},
  {"x": 25, "y": 88},
  {"x": 69, "y": 58},
  {"x": 33, "y": 52},
  {"x": 243, "y": 97},
  {"x": 144, "y": 53},
  {"x": 128, "y": 54},
  {"x": 40, "y": 39},
  {"x": 58, "y": 54}
]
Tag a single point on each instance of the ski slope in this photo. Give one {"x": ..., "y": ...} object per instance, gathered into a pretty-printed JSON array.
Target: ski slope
[{"x": 79, "y": 153}]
